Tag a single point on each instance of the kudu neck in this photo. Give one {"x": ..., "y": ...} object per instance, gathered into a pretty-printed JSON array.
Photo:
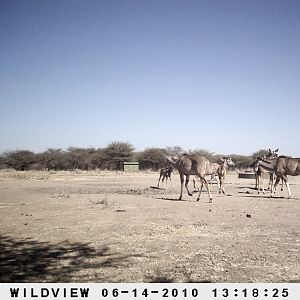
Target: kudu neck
[{"x": 267, "y": 164}]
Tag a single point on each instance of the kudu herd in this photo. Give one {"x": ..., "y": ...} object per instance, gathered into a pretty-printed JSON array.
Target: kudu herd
[
  {"x": 281, "y": 167},
  {"x": 200, "y": 166},
  {"x": 277, "y": 167}
]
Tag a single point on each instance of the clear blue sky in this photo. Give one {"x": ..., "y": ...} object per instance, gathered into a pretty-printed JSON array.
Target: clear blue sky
[{"x": 217, "y": 75}]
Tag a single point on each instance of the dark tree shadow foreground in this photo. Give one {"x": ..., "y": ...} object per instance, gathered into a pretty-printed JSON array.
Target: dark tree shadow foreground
[{"x": 27, "y": 260}]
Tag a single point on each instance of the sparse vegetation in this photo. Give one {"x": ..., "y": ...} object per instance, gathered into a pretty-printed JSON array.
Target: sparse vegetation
[{"x": 108, "y": 158}]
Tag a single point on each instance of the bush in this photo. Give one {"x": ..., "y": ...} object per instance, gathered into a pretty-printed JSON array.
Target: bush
[
  {"x": 152, "y": 158},
  {"x": 20, "y": 160}
]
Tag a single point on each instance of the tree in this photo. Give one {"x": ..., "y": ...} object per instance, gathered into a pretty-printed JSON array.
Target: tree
[
  {"x": 152, "y": 158},
  {"x": 175, "y": 151},
  {"x": 3, "y": 162},
  {"x": 116, "y": 153},
  {"x": 242, "y": 161},
  {"x": 20, "y": 160},
  {"x": 75, "y": 158},
  {"x": 52, "y": 159},
  {"x": 261, "y": 153},
  {"x": 203, "y": 152}
]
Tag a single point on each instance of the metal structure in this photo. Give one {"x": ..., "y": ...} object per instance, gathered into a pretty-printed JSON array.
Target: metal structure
[{"x": 132, "y": 166}]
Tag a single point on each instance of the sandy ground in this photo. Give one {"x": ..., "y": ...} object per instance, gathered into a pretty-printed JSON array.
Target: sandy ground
[{"x": 116, "y": 227}]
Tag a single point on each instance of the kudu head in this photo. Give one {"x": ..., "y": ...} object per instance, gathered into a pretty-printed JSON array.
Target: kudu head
[
  {"x": 226, "y": 160},
  {"x": 256, "y": 163},
  {"x": 272, "y": 154},
  {"x": 171, "y": 161}
]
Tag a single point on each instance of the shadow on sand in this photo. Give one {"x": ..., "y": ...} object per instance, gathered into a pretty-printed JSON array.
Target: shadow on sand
[
  {"x": 172, "y": 280},
  {"x": 171, "y": 199},
  {"x": 255, "y": 196},
  {"x": 156, "y": 187},
  {"x": 26, "y": 260}
]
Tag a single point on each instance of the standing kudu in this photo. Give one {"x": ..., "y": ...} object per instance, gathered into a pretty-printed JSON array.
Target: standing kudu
[
  {"x": 218, "y": 171},
  {"x": 213, "y": 172},
  {"x": 191, "y": 165},
  {"x": 282, "y": 167},
  {"x": 260, "y": 172},
  {"x": 222, "y": 170}
]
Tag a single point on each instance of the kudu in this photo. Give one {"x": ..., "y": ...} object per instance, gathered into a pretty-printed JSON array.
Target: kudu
[
  {"x": 260, "y": 172},
  {"x": 222, "y": 170},
  {"x": 213, "y": 172},
  {"x": 282, "y": 167},
  {"x": 165, "y": 174},
  {"x": 218, "y": 171},
  {"x": 191, "y": 165}
]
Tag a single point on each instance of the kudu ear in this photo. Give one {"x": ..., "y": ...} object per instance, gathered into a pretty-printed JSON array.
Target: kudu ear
[
  {"x": 226, "y": 158},
  {"x": 276, "y": 150}
]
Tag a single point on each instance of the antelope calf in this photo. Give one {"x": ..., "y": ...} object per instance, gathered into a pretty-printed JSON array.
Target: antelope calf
[
  {"x": 222, "y": 170},
  {"x": 165, "y": 174}
]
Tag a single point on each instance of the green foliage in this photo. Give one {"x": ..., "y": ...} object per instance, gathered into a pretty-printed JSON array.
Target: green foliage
[
  {"x": 116, "y": 153},
  {"x": 20, "y": 160},
  {"x": 261, "y": 153},
  {"x": 52, "y": 159},
  {"x": 242, "y": 161},
  {"x": 152, "y": 158},
  {"x": 174, "y": 151},
  {"x": 203, "y": 152},
  {"x": 111, "y": 157}
]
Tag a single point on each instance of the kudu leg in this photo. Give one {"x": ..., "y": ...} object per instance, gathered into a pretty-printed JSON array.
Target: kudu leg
[
  {"x": 181, "y": 186},
  {"x": 285, "y": 178},
  {"x": 274, "y": 186},
  {"x": 158, "y": 181},
  {"x": 261, "y": 184},
  {"x": 288, "y": 188},
  {"x": 196, "y": 185},
  {"x": 200, "y": 191},
  {"x": 172, "y": 183},
  {"x": 221, "y": 189},
  {"x": 271, "y": 181},
  {"x": 187, "y": 179},
  {"x": 218, "y": 181},
  {"x": 256, "y": 181},
  {"x": 207, "y": 187}
]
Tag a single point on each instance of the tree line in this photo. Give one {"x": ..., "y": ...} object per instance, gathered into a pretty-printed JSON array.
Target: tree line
[{"x": 111, "y": 157}]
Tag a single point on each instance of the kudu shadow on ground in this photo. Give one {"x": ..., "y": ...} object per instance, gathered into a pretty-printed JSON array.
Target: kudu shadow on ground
[
  {"x": 183, "y": 200},
  {"x": 171, "y": 199},
  {"x": 256, "y": 196},
  {"x": 247, "y": 187},
  {"x": 27, "y": 260},
  {"x": 155, "y": 187},
  {"x": 247, "y": 195}
]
